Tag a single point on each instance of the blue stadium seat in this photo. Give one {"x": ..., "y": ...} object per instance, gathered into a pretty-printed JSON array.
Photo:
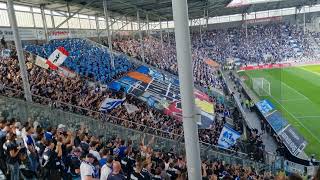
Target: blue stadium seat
[{"x": 86, "y": 58}]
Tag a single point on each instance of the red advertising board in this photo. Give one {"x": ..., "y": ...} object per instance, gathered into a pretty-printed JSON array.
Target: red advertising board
[{"x": 265, "y": 66}]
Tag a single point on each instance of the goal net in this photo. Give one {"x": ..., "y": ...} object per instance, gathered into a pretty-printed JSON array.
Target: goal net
[{"x": 261, "y": 86}]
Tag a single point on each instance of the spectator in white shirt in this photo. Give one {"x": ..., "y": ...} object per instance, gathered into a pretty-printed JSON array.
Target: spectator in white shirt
[
  {"x": 87, "y": 170},
  {"x": 106, "y": 169}
]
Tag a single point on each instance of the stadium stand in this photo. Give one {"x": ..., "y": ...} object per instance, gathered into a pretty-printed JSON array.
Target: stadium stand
[
  {"x": 65, "y": 134},
  {"x": 85, "y": 58},
  {"x": 66, "y": 145},
  {"x": 67, "y": 153},
  {"x": 78, "y": 92},
  {"x": 282, "y": 41}
]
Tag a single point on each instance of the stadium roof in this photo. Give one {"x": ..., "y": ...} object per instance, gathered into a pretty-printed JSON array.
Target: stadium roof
[{"x": 161, "y": 8}]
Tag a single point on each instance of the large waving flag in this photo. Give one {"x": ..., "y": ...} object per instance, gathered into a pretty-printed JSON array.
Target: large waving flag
[
  {"x": 228, "y": 137},
  {"x": 57, "y": 58},
  {"x": 110, "y": 103}
]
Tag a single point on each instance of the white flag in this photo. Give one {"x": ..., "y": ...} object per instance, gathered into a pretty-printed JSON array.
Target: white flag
[
  {"x": 41, "y": 62},
  {"x": 130, "y": 108},
  {"x": 57, "y": 58}
]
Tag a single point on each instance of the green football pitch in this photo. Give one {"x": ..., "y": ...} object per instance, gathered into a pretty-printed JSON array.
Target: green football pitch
[{"x": 295, "y": 91}]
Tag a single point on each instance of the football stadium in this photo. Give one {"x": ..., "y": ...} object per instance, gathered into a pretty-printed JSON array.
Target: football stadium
[{"x": 159, "y": 89}]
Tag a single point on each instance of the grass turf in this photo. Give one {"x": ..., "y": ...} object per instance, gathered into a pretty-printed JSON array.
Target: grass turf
[{"x": 295, "y": 92}]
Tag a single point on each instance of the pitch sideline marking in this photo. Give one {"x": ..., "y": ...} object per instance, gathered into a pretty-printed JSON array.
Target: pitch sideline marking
[
  {"x": 297, "y": 120},
  {"x": 306, "y": 98},
  {"x": 289, "y": 100},
  {"x": 311, "y": 133},
  {"x": 301, "y": 117},
  {"x": 310, "y": 71}
]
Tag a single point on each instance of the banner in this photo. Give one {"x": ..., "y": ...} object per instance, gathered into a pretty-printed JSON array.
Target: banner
[
  {"x": 293, "y": 141},
  {"x": 6, "y": 53},
  {"x": 161, "y": 91},
  {"x": 292, "y": 167},
  {"x": 265, "y": 107},
  {"x": 57, "y": 58},
  {"x": 109, "y": 104},
  {"x": 228, "y": 137},
  {"x": 277, "y": 122},
  {"x": 41, "y": 62},
  {"x": 239, "y": 3},
  {"x": 212, "y": 63},
  {"x": 59, "y": 34},
  {"x": 65, "y": 72},
  {"x": 130, "y": 108}
]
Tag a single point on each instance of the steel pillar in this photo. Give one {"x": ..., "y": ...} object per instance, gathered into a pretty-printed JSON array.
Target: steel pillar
[
  {"x": 148, "y": 27},
  {"x": 304, "y": 19},
  {"x": 106, "y": 16},
  {"x": 44, "y": 22},
  {"x": 140, "y": 37},
  {"x": 69, "y": 14},
  {"x": 161, "y": 36},
  {"x": 98, "y": 28},
  {"x": 245, "y": 20},
  {"x": 200, "y": 29},
  {"x": 168, "y": 34},
  {"x": 183, "y": 46},
  {"x": 21, "y": 57}
]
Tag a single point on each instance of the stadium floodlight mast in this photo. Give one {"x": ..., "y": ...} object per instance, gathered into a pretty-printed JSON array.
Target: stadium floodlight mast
[
  {"x": 21, "y": 58},
  {"x": 44, "y": 22},
  {"x": 140, "y": 36},
  {"x": 190, "y": 128},
  {"x": 106, "y": 14}
]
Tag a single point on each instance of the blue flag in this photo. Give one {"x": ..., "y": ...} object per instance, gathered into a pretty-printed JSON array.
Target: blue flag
[
  {"x": 228, "y": 137},
  {"x": 109, "y": 104}
]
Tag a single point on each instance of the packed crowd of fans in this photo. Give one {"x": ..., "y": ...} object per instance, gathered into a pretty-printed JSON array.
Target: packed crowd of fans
[
  {"x": 86, "y": 99},
  {"x": 165, "y": 58},
  {"x": 86, "y": 58},
  {"x": 32, "y": 151},
  {"x": 53, "y": 157},
  {"x": 278, "y": 42}
]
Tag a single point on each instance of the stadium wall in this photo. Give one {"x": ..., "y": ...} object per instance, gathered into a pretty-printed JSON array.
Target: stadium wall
[{"x": 38, "y": 33}]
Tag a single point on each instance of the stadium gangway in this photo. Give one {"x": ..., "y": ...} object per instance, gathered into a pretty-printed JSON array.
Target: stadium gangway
[
  {"x": 268, "y": 156},
  {"x": 237, "y": 101},
  {"x": 54, "y": 112}
]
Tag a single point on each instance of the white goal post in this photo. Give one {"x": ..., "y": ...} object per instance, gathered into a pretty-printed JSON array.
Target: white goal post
[{"x": 261, "y": 86}]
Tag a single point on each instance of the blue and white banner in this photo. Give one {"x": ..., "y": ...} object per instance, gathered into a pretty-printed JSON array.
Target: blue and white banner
[
  {"x": 6, "y": 53},
  {"x": 110, "y": 103},
  {"x": 265, "y": 107},
  {"x": 228, "y": 137}
]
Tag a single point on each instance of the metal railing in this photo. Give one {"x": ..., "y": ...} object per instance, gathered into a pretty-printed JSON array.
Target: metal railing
[{"x": 54, "y": 112}]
